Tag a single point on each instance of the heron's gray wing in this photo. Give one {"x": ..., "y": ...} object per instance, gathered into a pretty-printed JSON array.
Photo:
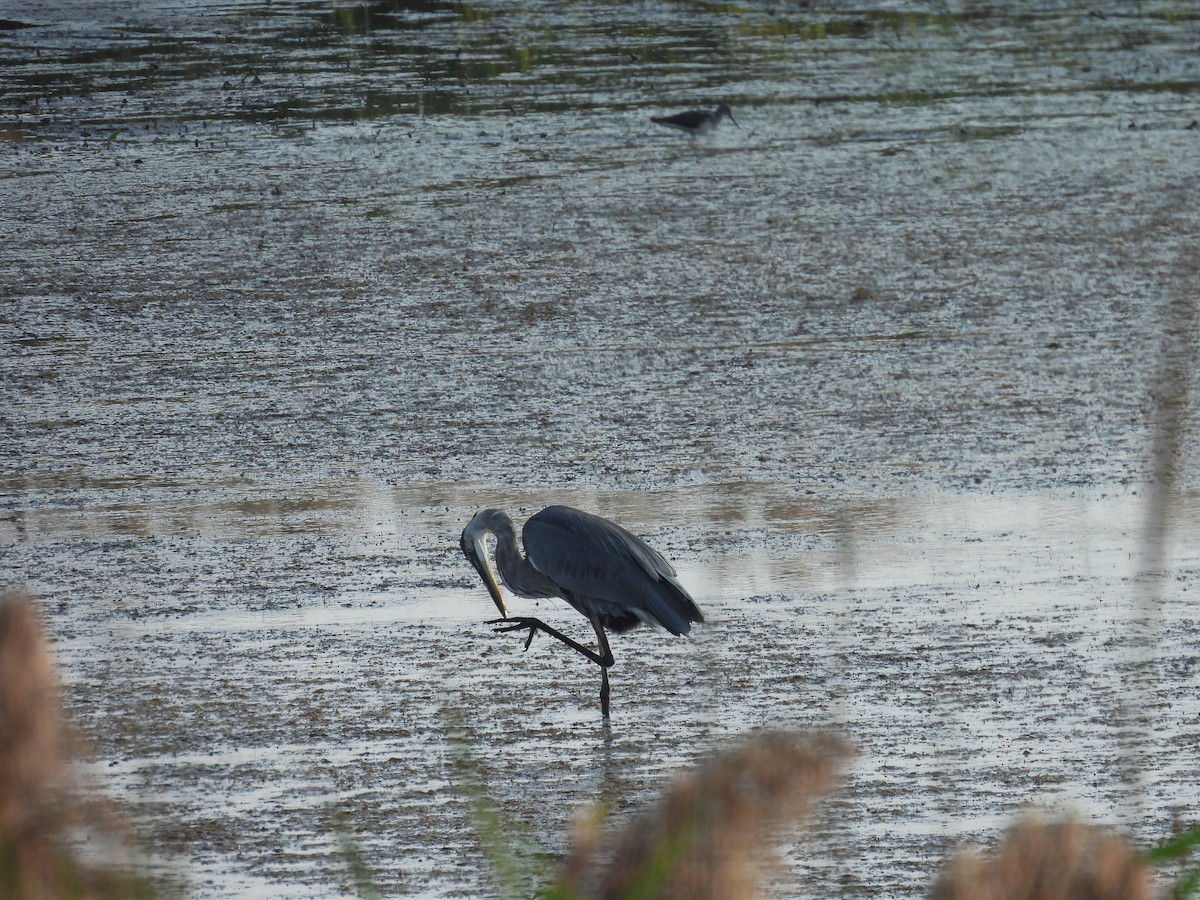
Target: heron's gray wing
[{"x": 606, "y": 569}]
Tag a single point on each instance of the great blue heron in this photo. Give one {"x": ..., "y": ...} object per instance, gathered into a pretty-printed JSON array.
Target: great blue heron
[
  {"x": 615, "y": 579},
  {"x": 697, "y": 121}
]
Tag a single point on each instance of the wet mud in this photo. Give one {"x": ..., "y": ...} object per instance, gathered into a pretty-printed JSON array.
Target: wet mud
[{"x": 291, "y": 291}]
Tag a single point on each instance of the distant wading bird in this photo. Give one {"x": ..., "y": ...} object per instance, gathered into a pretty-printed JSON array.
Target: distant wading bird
[
  {"x": 697, "y": 121},
  {"x": 607, "y": 574}
]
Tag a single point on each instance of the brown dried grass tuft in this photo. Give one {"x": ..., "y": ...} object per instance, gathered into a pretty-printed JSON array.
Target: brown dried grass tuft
[
  {"x": 708, "y": 837},
  {"x": 38, "y": 808},
  {"x": 31, "y": 733},
  {"x": 1064, "y": 860}
]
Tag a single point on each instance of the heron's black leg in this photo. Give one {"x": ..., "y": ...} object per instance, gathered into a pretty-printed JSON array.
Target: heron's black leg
[
  {"x": 535, "y": 625},
  {"x": 602, "y": 641},
  {"x": 603, "y": 659}
]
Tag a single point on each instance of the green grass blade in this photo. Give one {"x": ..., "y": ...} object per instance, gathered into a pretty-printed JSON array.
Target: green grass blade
[
  {"x": 519, "y": 865},
  {"x": 360, "y": 874},
  {"x": 1175, "y": 847},
  {"x": 1188, "y": 885}
]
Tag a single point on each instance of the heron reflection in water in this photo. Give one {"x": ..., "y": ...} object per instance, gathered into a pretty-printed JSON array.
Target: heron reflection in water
[{"x": 610, "y": 576}]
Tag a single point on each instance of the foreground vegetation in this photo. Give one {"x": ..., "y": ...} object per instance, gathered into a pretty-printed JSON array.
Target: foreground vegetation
[{"x": 708, "y": 835}]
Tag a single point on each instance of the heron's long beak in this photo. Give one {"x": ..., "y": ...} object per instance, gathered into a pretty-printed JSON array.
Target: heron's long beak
[{"x": 475, "y": 550}]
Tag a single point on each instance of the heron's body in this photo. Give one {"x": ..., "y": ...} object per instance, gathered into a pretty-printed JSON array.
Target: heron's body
[
  {"x": 696, "y": 121},
  {"x": 610, "y": 576}
]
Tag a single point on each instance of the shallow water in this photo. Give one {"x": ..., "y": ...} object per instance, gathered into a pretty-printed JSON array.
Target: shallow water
[{"x": 292, "y": 290}]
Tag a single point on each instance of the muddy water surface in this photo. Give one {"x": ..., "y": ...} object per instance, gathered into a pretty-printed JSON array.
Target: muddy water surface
[{"x": 290, "y": 291}]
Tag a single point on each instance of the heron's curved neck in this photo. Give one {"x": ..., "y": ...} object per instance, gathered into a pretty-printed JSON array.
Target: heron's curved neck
[{"x": 518, "y": 573}]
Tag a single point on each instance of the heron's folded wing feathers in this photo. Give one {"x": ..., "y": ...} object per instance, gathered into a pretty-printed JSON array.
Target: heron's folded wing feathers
[{"x": 605, "y": 567}]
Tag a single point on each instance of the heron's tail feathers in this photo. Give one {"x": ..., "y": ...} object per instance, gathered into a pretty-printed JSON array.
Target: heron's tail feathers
[
  {"x": 672, "y": 607},
  {"x": 663, "y": 603}
]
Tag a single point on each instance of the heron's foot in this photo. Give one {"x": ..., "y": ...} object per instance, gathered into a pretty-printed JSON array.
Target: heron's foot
[{"x": 516, "y": 624}]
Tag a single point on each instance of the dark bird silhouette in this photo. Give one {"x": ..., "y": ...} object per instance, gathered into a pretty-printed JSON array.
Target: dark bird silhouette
[{"x": 697, "y": 121}]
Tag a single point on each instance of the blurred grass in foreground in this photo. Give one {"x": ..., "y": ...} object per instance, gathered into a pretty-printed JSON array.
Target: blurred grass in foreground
[
  {"x": 707, "y": 836},
  {"x": 42, "y": 817},
  {"x": 711, "y": 834}
]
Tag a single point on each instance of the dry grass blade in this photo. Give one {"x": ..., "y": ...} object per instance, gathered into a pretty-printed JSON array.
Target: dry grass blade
[
  {"x": 37, "y": 807},
  {"x": 709, "y": 835},
  {"x": 1065, "y": 860},
  {"x": 31, "y": 753}
]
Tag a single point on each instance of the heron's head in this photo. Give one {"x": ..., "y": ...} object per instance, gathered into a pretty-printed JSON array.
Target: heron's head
[
  {"x": 724, "y": 112},
  {"x": 474, "y": 548}
]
